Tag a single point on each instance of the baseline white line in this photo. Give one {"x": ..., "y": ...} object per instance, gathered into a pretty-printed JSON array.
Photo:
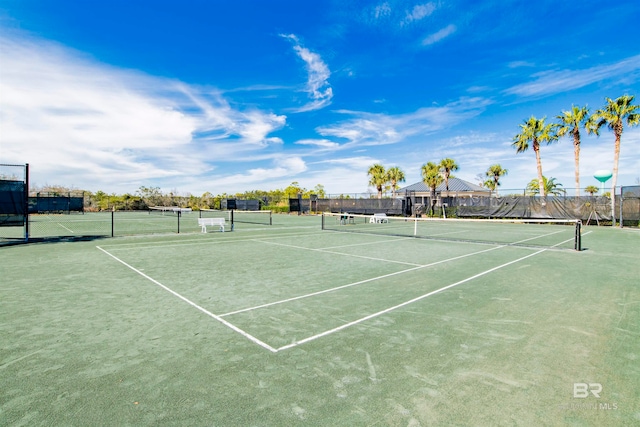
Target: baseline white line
[
  {"x": 190, "y": 240},
  {"x": 193, "y": 304},
  {"x": 357, "y": 283},
  {"x": 395, "y": 307}
]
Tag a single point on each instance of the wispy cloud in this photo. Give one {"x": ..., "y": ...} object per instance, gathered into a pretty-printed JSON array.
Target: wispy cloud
[
  {"x": 520, "y": 64},
  {"x": 366, "y": 129},
  {"x": 382, "y": 10},
  {"x": 557, "y": 81},
  {"x": 358, "y": 162},
  {"x": 439, "y": 35},
  {"x": 394, "y": 15},
  {"x": 318, "y": 88},
  {"x": 419, "y": 12},
  {"x": 322, "y": 143},
  {"x": 283, "y": 167},
  {"x": 63, "y": 112}
]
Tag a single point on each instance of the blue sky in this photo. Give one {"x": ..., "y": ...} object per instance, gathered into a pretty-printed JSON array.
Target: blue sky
[{"x": 226, "y": 96}]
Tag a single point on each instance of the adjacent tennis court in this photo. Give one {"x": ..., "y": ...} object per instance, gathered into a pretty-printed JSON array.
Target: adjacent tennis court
[{"x": 357, "y": 324}]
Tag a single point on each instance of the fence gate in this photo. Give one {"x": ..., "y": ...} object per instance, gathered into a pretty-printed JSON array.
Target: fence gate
[
  {"x": 630, "y": 206},
  {"x": 14, "y": 202}
]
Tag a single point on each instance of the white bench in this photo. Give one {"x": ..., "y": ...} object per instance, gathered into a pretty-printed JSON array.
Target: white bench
[
  {"x": 378, "y": 218},
  {"x": 214, "y": 222}
]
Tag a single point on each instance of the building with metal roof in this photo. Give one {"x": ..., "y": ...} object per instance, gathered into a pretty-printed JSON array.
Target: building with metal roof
[{"x": 457, "y": 188}]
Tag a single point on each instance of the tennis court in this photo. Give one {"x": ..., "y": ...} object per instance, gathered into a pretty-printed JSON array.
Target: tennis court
[{"x": 289, "y": 324}]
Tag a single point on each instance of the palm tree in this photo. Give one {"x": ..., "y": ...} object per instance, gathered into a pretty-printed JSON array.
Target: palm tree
[
  {"x": 591, "y": 189},
  {"x": 378, "y": 177},
  {"x": 550, "y": 186},
  {"x": 446, "y": 167},
  {"x": 394, "y": 176},
  {"x": 534, "y": 131},
  {"x": 494, "y": 173},
  {"x": 570, "y": 122},
  {"x": 432, "y": 177},
  {"x": 614, "y": 114},
  {"x": 490, "y": 184}
]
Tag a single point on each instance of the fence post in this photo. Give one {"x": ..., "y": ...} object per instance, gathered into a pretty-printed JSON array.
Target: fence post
[
  {"x": 26, "y": 202},
  {"x": 621, "y": 205}
]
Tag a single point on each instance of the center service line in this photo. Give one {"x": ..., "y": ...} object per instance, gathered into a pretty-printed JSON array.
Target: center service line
[{"x": 371, "y": 316}]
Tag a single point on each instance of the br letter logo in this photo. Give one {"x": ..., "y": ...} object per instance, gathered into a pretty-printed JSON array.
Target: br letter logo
[{"x": 582, "y": 390}]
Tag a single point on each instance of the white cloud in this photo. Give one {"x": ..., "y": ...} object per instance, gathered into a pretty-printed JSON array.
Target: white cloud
[
  {"x": 439, "y": 35},
  {"x": 322, "y": 143},
  {"x": 382, "y": 10},
  {"x": 557, "y": 81},
  {"x": 419, "y": 12},
  {"x": 519, "y": 64},
  {"x": 83, "y": 123},
  {"x": 318, "y": 73},
  {"x": 366, "y": 129},
  {"x": 282, "y": 167},
  {"x": 360, "y": 162}
]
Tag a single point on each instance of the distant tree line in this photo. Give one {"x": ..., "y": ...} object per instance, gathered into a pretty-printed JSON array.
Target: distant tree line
[{"x": 145, "y": 197}]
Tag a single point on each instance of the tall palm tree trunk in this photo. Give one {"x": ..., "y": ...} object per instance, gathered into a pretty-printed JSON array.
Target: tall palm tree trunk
[
  {"x": 576, "y": 155},
  {"x": 614, "y": 180},
  {"x": 540, "y": 180},
  {"x": 433, "y": 201}
]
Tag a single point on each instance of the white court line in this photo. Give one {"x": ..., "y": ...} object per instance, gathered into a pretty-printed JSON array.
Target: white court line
[
  {"x": 359, "y": 282},
  {"x": 395, "y": 307},
  {"x": 338, "y": 253},
  {"x": 271, "y": 227},
  {"x": 191, "y": 303},
  {"x": 190, "y": 240},
  {"x": 325, "y": 333},
  {"x": 375, "y": 242},
  {"x": 417, "y": 267},
  {"x": 66, "y": 228}
]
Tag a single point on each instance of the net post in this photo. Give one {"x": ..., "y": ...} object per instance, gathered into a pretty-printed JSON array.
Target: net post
[
  {"x": 270, "y": 217},
  {"x": 113, "y": 211},
  {"x": 231, "y": 219},
  {"x": 179, "y": 215},
  {"x": 578, "y": 236}
]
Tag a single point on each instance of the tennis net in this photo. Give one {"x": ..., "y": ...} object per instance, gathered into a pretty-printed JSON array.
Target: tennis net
[
  {"x": 235, "y": 216},
  {"x": 548, "y": 233}
]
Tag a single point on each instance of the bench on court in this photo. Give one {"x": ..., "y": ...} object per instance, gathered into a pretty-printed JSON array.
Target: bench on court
[
  {"x": 346, "y": 218},
  {"x": 214, "y": 222},
  {"x": 378, "y": 218}
]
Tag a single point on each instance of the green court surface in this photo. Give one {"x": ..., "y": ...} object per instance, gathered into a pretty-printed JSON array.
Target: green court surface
[{"x": 291, "y": 325}]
